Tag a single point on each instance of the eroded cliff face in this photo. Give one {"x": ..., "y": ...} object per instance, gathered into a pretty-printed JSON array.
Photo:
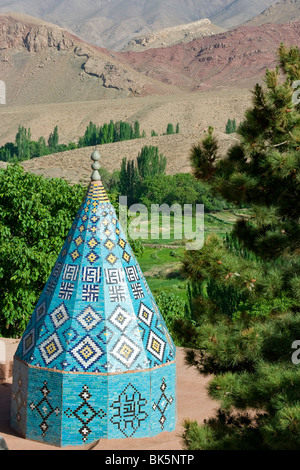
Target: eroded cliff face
[
  {"x": 15, "y": 33},
  {"x": 28, "y": 35}
]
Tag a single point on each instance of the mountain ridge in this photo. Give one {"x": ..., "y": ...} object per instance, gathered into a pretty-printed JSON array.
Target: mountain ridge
[
  {"x": 41, "y": 62},
  {"x": 112, "y": 24},
  {"x": 173, "y": 35},
  {"x": 283, "y": 11}
]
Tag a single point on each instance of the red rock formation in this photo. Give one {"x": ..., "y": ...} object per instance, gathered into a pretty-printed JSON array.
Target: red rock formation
[{"x": 225, "y": 58}]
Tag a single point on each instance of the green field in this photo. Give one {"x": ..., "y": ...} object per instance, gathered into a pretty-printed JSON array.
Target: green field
[{"x": 161, "y": 259}]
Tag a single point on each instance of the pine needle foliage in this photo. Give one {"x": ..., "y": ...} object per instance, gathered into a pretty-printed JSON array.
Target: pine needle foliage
[{"x": 246, "y": 327}]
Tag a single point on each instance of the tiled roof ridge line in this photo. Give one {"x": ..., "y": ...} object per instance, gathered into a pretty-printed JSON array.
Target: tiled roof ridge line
[{"x": 166, "y": 364}]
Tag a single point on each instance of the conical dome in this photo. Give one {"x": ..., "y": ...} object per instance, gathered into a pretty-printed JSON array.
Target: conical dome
[{"x": 96, "y": 359}]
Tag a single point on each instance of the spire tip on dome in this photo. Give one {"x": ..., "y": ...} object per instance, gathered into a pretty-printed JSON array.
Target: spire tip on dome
[{"x": 96, "y": 166}]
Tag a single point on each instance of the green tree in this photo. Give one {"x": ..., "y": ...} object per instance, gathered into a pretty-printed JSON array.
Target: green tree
[
  {"x": 170, "y": 129},
  {"x": 22, "y": 143},
  {"x": 35, "y": 217},
  {"x": 53, "y": 139},
  {"x": 149, "y": 164},
  {"x": 129, "y": 180},
  {"x": 136, "y": 132},
  {"x": 230, "y": 126},
  {"x": 248, "y": 311}
]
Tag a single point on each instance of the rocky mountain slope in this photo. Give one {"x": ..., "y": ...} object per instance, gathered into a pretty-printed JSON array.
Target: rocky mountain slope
[
  {"x": 237, "y": 57},
  {"x": 113, "y": 23},
  {"x": 283, "y": 11},
  {"x": 41, "y": 62},
  {"x": 174, "y": 35},
  {"x": 239, "y": 11}
]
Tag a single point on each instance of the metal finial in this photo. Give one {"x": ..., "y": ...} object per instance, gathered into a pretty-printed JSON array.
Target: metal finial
[{"x": 96, "y": 166}]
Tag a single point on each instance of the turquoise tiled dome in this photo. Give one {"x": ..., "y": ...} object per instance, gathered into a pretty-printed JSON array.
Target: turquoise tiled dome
[{"x": 96, "y": 359}]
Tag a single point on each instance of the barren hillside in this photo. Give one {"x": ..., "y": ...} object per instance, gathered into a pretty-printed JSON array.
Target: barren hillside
[
  {"x": 235, "y": 58},
  {"x": 113, "y": 23},
  {"x": 42, "y": 63},
  {"x": 283, "y": 11},
  {"x": 174, "y": 35},
  {"x": 193, "y": 111}
]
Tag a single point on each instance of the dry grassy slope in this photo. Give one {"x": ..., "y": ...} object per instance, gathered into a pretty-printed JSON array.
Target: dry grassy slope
[{"x": 194, "y": 113}]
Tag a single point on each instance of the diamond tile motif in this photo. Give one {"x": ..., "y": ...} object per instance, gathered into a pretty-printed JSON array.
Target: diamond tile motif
[
  {"x": 51, "y": 348},
  {"x": 87, "y": 352},
  {"x": 59, "y": 315},
  {"x": 156, "y": 346},
  {"x": 122, "y": 243},
  {"x": 92, "y": 243},
  {"x": 126, "y": 351},
  {"x": 85, "y": 413},
  {"x": 109, "y": 244},
  {"x": 89, "y": 318},
  {"x": 111, "y": 258},
  {"x": 96, "y": 359},
  {"x": 92, "y": 257},
  {"x": 126, "y": 256},
  {"x": 40, "y": 311},
  {"x": 79, "y": 240},
  {"x": 28, "y": 341},
  {"x": 75, "y": 255},
  {"x": 145, "y": 314},
  {"x": 44, "y": 409},
  {"x": 120, "y": 318}
]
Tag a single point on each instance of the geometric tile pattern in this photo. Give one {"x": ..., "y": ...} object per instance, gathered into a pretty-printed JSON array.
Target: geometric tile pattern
[
  {"x": 96, "y": 318},
  {"x": 129, "y": 410},
  {"x": 44, "y": 409},
  {"x": 162, "y": 403},
  {"x": 85, "y": 413}
]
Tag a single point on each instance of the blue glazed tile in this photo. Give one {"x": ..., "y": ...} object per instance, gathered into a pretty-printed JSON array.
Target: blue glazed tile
[
  {"x": 129, "y": 407},
  {"x": 163, "y": 399},
  {"x": 84, "y": 411},
  {"x": 97, "y": 315},
  {"x": 44, "y": 406},
  {"x": 18, "y": 420}
]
